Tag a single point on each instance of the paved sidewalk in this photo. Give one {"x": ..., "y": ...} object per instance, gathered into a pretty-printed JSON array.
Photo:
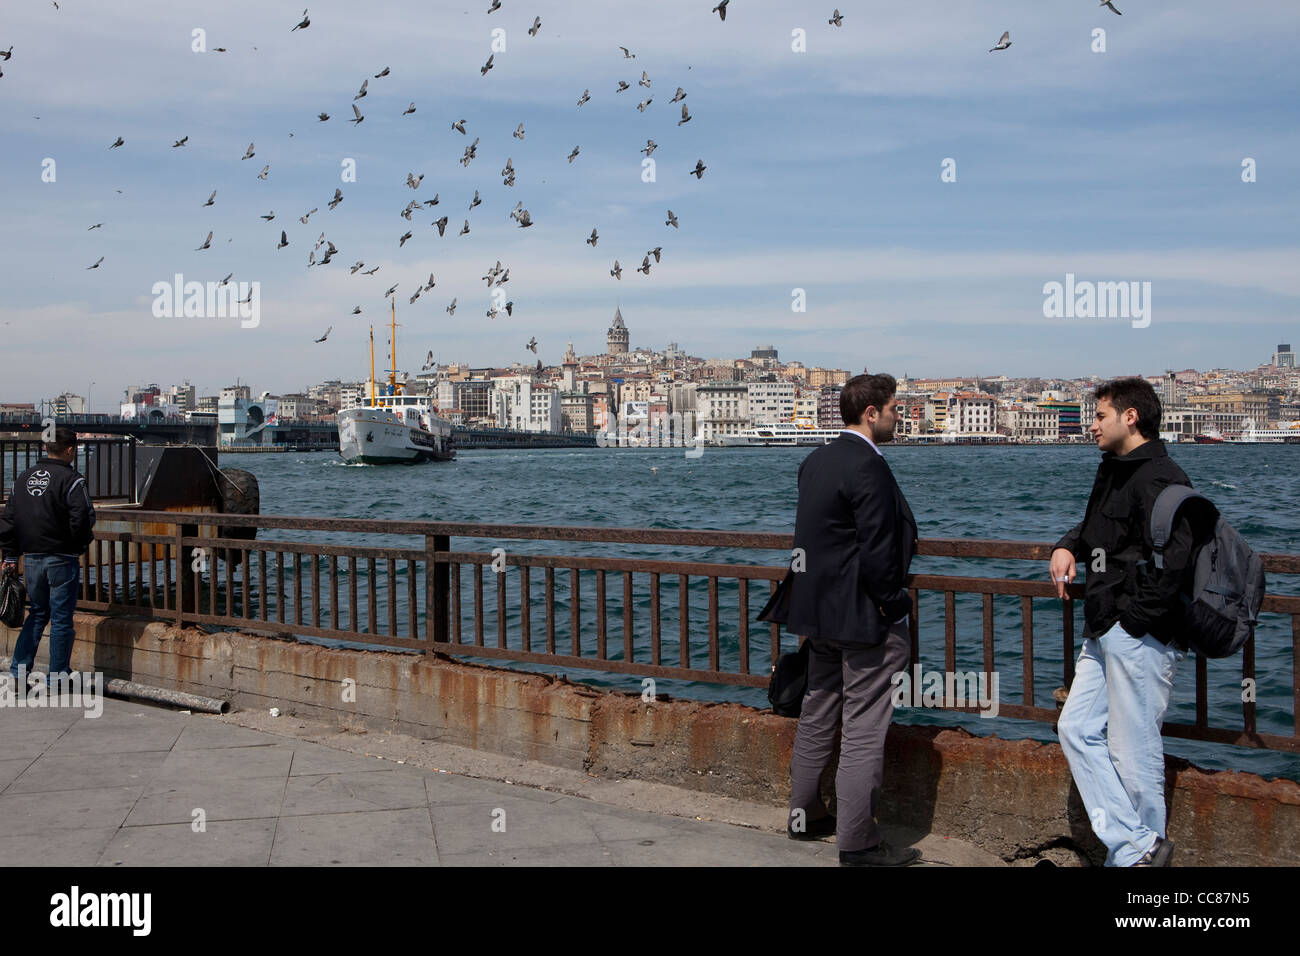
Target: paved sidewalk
[{"x": 129, "y": 788}]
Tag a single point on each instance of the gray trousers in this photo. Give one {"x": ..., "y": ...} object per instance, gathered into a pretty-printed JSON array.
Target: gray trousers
[{"x": 849, "y": 690}]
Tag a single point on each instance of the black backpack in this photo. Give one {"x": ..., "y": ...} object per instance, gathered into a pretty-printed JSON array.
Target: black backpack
[
  {"x": 13, "y": 598},
  {"x": 1221, "y": 608}
]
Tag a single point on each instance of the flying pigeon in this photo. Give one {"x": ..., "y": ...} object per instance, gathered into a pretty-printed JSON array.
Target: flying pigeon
[
  {"x": 265, "y": 169},
  {"x": 356, "y": 114},
  {"x": 617, "y": 271},
  {"x": 488, "y": 65},
  {"x": 671, "y": 220},
  {"x": 644, "y": 81},
  {"x": 510, "y": 308},
  {"x": 442, "y": 225},
  {"x": 476, "y": 201},
  {"x": 119, "y": 142},
  {"x": 537, "y": 25},
  {"x": 180, "y": 142},
  {"x": 96, "y": 263},
  {"x": 95, "y": 226},
  {"x": 451, "y": 309},
  {"x": 1004, "y": 42},
  {"x": 338, "y": 198},
  {"x": 655, "y": 252},
  {"x": 391, "y": 289},
  {"x": 459, "y": 126},
  {"x": 645, "y": 265},
  {"x": 837, "y": 19},
  {"x": 492, "y": 313},
  {"x": 269, "y": 216},
  {"x": 328, "y": 254},
  {"x": 686, "y": 117},
  {"x": 650, "y": 147},
  {"x": 525, "y": 220},
  {"x": 464, "y": 229},
  {"x": 640, "y": 107},
  {"x": 680, "y": 95},
  {"x": 401, "y": 242},
  {"x": 226, "y": 279},
  {"x": 326, "y": 335},
  {"x": 249, "y": 154},
  {"x": 383, "y": 72},
  {"x": 356, "y": 266},
  {"x": 514, "y": 213},
  {"x": 622, "y": 85},
  {"x": 721, "y": 9},
  {"x": 356, "y": 310},
  {"x": 519, "y": 133},
  {"x": 322, "y": 116},
  {"x": 698, "y": 171},
  {"x": 573, "y": 155},
  {"x": 532, "y": 345},
  {"x": 206, "y": 243},
  {"x": 410, "y": 109},
  {"x": 428, "y": 362},
  {"x": 370, "y": 272},
  {"x": 1107, "y": 3},
  {"x": 496, "y": 5},
  {"x": 248, "y": 299},
  {"x": 418, "y": 290},
  {"x": 591, "y": 241},
  {"x": 284, "y": 240},
  {"x": 305, "y": 23},
  {"x": 361, "y": 92},
  {"x": 311, "y": 258},
  {"x": 430, "y": 284},
  {"x": 586, "y": 95},
  {"x": 627, "y": 54},
  {"x": 303, "y": 219},
  {"x": 412, "y": 181},
  {"x": 410, "y": 207},
  {"x": 211, "y": 198}
]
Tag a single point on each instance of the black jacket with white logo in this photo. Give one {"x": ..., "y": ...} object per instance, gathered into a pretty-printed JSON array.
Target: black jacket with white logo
[{"x": 48, "y": 512}]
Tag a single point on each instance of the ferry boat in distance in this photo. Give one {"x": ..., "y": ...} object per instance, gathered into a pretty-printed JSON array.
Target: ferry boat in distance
[
  {"x": 780, "y": 433},
  {"x": 392, "y": 428}
]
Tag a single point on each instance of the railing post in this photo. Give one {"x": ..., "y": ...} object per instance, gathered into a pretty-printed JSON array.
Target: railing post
[{"x": 438, "y": 585}]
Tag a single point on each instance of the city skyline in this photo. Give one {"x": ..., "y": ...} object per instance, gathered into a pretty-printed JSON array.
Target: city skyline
[{"x": 824, "y": 174}]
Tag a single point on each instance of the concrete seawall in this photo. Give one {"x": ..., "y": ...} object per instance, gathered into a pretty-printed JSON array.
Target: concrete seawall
[{"x": 1012, "y": 798}]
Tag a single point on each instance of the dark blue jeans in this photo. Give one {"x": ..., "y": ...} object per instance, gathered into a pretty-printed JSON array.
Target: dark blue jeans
[{"x": 52, "y": 581}]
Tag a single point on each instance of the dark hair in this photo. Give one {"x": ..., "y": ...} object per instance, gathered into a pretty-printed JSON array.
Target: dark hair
[
  {"x": 861, "y": 391},
  {"x": 64, "y": 438},
  {"x": 1135, "y": 393}
]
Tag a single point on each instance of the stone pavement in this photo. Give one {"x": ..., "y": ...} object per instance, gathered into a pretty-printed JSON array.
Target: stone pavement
[{"x": 129, "y": 788}]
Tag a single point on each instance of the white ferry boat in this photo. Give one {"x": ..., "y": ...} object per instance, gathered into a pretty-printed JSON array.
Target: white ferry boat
[
  {"x": 781, "y": 433},
  {"x": 392, "y": 428}
]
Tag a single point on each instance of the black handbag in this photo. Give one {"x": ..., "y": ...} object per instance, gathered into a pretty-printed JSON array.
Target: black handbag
[
  {"x": 789, "y": 682},
  {"x": 13, "y": 598}
]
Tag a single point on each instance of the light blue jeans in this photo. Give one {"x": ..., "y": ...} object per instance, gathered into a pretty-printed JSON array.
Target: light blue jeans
[{"x": 1110, "y": 733}]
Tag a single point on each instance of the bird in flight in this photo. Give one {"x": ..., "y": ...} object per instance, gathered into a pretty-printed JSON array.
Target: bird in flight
[
  {"x": 442, "y": 225},
  {"x": 410, "y": 109},
  {"x": 322, "y": 116},
  {"x": 356, "y": 266},
  {"x": 180, "y": 142},
  {"x": 206, "y": 243},
  {"x": 537, "y": 25},
  {"x": 627, "y": 54},
  {"x": 644, "y": 81},
  {"x": 119, "y": 142},
  {"x": 451, "y": 309},
  {"x": 383, "y": 72},
  {"x": 326, "y": 335},
  {"x": 510, "y": 308},
  {"x": 211, "y": 198},
  {"x": 655, "y": 252},
  {"x": 362, "y": 91},
  {"x": 430, "y": 284},
  {"x": 488, "y": 65},
  {"x": 269, "y": 216},
  {"x": 464, "y": 229},
  {"x": 338, "y": 198},
  {"x": 525, "y": 220},
  {"x": 410, "y": 208},
  {"x": 248, "y": 153},
  {"x": 519, "y": 133},
  {"x": 418, "y": 290},
  {"x": 226, "y": 279},
  {"x": 402, "y": 241},
  {"x": 303, "y": 219},
  {"x": 721, "y": 9},
  {"x": 698, "y": 171},
  {"x": 1107, "y": 3},
  {"x": 356, "y": 113},
  {"x": 586, "y": 95},
  {"x": 645, "y": 265},
  {"x": 686, "y": 117},
  {"x": 496, "y": 5},
  {"x": 671, "y": 220},
  {"x": 433, "y": 201},
  {"x": 428, "y": 362},
  {"x": 573, "y": 155},
  {"x": 370, "y": 272},
  {"x": 265, "y": 169},
  {"x": 650, "y": 147},
  {"x": 591, "y": 240},
  {"x": 532, "y": 345},
  {"x": 837, "y": 19},
  {"x": 1003, "y": 43},
  {"x": 284, "y": 240},
  {"x": 679, "y": 95},
  {"x": 391, "y": 289},
  {"x": 640, "y": 107},
  {"x": 475, "y": 201},
  {"x": 356, "y": 310},
  {"x": 96, "y": 263},
  {"x": 622, "y": 85},
  {"x": 414, "y": 182},
  {"x": 95, "y": 226},
  {"x": 459, "y": 126},
  {"x": 617, "y": 271},
  {"x": 305, "y": 23}
]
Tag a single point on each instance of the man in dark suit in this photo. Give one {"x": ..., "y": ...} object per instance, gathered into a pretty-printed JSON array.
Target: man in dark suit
[{"x": 854, "y": 542}]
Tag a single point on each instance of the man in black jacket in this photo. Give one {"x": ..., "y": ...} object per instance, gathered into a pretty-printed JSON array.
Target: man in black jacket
[
  {"x": 854, "y": 541},
  {"x": 48, "y": 520},
  {"x": 1110, "y": 726}
]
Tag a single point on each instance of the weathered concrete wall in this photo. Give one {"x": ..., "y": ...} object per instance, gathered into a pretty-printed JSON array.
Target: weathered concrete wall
[{"x": 1013, "y": 798}]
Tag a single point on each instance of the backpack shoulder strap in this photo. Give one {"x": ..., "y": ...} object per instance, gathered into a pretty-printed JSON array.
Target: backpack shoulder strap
[{"x": 1166, "y": 506}]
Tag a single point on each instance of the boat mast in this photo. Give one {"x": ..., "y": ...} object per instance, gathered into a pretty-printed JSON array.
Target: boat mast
[
  {"x": 372, "y": 364},
  {"x": 392, "y": 372}
]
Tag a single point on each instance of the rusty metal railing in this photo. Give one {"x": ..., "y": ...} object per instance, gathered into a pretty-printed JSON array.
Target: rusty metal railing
[
  {"x": 107, "y": 463},
  {"x": 433, "y": 599}
]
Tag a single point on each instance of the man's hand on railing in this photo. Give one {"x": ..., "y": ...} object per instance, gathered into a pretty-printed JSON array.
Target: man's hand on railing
[{"x": 1062, "y": 569}]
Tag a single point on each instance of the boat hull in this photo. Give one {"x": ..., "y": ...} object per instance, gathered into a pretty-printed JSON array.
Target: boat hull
[{"x": 378, "y": 436}]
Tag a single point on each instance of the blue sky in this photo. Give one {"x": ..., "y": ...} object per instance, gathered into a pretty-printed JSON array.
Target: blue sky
[{"x": 823, "y": 174}]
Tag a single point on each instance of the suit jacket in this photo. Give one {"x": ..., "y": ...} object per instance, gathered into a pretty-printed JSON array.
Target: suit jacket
[{"x": 858, "y": 538}]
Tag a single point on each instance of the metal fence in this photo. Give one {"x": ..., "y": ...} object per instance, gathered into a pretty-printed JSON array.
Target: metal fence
[
  {"x": 432, "y": 598},
  {"x": 107, "y": 463}
]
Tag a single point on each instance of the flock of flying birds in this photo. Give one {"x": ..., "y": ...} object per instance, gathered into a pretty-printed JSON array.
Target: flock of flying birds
[{"x": 497, "y": 275}]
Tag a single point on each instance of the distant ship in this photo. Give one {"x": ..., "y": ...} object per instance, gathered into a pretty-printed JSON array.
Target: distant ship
[
  {"x": 781, "y": 433},
  {"x": 392, "y": 428}
]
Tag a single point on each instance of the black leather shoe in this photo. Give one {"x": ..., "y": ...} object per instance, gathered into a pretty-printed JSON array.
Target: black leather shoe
[
  {"x": 815, "y": 830},
  {"x": 882, "y": 854},
  {"x": 1159, "y": 855}
]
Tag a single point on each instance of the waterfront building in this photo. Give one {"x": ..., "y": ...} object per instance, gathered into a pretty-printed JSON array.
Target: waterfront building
[{"x": 722, "y": 408}]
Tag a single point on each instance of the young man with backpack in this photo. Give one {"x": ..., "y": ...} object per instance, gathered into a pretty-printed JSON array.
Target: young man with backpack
[
  {"x": 1133, "y": 633},
  {"x": 49, "y": 520}
]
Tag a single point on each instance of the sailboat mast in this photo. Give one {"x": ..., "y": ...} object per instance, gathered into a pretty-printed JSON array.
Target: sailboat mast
[
  {"x": 372, "y": 364},
  {"x": 392, "y": 371}
]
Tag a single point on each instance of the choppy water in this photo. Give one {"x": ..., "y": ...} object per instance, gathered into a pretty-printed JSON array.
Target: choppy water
[{"x": 1025, "y": 493}]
